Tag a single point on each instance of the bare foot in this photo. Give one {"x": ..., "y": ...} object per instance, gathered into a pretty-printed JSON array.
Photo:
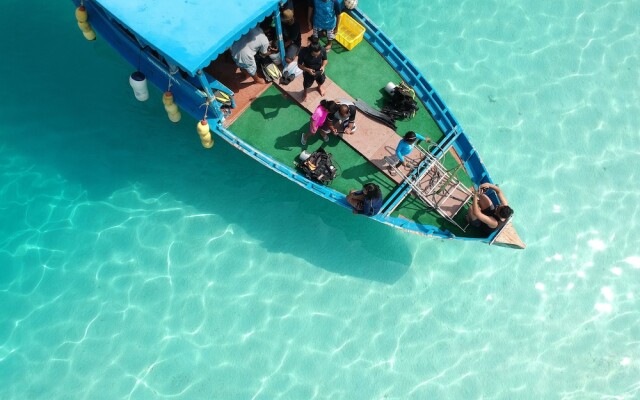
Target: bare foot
[
  {"x": 321, "y": 90},
  {"x": 257, "y": 79}
]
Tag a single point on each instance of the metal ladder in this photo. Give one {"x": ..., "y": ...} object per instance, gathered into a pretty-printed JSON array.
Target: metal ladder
[{"x": 441, "y": 187}]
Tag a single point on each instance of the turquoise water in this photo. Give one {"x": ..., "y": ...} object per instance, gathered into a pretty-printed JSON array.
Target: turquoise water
[{"x": 133, "y": 265}]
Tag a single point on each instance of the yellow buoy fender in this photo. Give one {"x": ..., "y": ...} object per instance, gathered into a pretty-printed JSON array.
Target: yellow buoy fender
[
  {"x": 205, "y": 134},
  {"x": 81, "y": 14},
  {"x": 82, "y": 17},
  {"x": 170, "y": 107}
]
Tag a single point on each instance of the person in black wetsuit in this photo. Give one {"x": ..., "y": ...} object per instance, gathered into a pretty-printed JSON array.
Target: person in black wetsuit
[
  {"x": 312, "y": 60},
  {"x": 484, "y": 214}
]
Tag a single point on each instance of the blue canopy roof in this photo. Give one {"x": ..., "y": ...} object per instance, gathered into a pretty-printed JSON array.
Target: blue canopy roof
[{"x": 189, "y": 33}]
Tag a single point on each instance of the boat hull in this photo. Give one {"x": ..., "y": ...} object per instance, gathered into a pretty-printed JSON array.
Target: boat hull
[{"x": 190, "y": 98}]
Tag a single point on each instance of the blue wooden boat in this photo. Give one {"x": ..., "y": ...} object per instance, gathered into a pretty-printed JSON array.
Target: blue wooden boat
[{"x": 183, "y": 46}]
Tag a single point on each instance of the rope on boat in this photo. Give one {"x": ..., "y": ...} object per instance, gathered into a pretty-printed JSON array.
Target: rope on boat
[
  {"x": 172, "y": 71},
  {"x": 206, "y": 108}
]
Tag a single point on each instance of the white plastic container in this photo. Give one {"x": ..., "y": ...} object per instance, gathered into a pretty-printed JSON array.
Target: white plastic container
[{"x": 138, "y": 83}]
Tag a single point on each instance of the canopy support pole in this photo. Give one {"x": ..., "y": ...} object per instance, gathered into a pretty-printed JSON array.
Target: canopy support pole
[{"x": 280, "y": 39}]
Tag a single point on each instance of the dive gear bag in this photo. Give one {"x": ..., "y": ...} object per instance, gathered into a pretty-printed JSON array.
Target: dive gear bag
[
  {"x": 319, "y": 167},
  {"x": 402, "y": 103}
]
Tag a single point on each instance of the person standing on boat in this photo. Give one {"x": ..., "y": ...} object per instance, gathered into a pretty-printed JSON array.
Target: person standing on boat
[
  {"x": 367, "y": 201},
  {"x": 244, "y": 52},
  {"x": 340, "y": 120},
  {"x": 483, "y": 214},
  {"x": 405, "y": 146},
  {"x": 291, "y": 35},
  {"x": 317, "y": 119},
  {"x": 324, "y": 15},
  {"x": 312, "y": 60}
]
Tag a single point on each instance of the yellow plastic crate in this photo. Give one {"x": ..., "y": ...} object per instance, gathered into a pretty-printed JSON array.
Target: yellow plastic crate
[{"x": 350, "y": 32}]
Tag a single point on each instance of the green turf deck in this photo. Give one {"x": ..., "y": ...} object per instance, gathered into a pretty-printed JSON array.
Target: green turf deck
[
  {"x": 274, "y": 123},
  {"x": 366, "y": 81}
]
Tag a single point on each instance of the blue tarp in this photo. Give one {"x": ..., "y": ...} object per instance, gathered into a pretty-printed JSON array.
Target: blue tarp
[{"x": 189, "y": 33}]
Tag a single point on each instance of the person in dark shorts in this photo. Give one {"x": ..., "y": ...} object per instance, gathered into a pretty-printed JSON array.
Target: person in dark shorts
[
  {"x": 367, "y": 201},
  {"x": 312, "y": 60}
]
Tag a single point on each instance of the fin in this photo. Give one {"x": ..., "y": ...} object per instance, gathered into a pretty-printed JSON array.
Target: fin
[
  {"x": 271, "y": 72},
  {"x": 222, "y": 97},
  {"x": 286, "y": 78},
  {"x": 375, "y": 114}
]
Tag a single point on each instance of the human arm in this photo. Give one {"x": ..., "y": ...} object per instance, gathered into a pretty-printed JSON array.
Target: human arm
[
  {"x": 337, "y": 9},
  {"x": 263, "y": 47},
  {"x": 325, "y": 60},
  {"x": 400, "y": 153},
  {"x": 302, "y": 56},
  {"x": 495, "y": 188},
  {"x": 477, "y": 210},
  {"x": 352, "y": 119}
]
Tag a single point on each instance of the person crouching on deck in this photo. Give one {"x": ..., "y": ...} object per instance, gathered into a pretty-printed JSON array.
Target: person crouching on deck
[
  {"x": 367, "y": 201},
  {"x": 484, "y": 214},
  {"x": 312, "y": 60},
  {"x": 341, "y": 119}
]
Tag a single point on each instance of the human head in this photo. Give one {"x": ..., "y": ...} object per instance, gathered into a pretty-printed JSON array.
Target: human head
[
  {"x": 371, "y": 191},
  {"x": 327, "y": 104},
  {"x": 315, "y": 49},
  {"x": 314, "y": 39},
  {"x": 504, "y": 212},
  {"x": 266, "y": 25},
  {"x": 410, "y": 137},
  {"x": 344, "y": 110},
  {"x": 287, "y": 17}
]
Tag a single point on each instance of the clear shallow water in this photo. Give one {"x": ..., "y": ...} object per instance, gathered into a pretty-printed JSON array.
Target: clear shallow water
[{"x": 133, "y": 266}]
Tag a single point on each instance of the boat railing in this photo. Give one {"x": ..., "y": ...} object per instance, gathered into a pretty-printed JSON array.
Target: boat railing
[{"x": 432, "y": 183}]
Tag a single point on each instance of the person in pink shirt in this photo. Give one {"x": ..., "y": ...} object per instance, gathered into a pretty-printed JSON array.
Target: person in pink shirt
[{"x": 317, "y": 120}]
